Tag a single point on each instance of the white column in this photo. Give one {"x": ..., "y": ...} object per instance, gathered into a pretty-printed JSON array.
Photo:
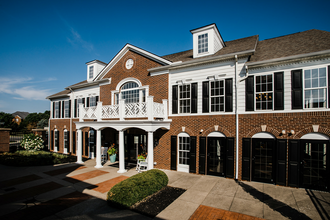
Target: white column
[
  {"x": 81, "y": 112},
  {"x": 98, "y": 149},
  {"x": 121, "y": 109},
  {"x": 79, "y": 149},
  {"x": 150, "y": 150},
  {"x": 150, "y": 108},
  {"x": 121, "y": 153}
]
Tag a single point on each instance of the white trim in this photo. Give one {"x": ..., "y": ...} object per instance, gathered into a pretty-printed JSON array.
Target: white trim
[
  {"x": 263, "y": 135},
  {"x": 129, "y": 79},
  {"x": 216, "y": 134},
  {"x": 182, "y": 167},
  {"x": 315, "y": 136}
]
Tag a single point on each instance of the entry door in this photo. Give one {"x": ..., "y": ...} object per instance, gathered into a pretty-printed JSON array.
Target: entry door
[
  {"x": 216, "y": 155},
  {"x": 263, "y": 157},
  {"x": 314, "y": 172}
]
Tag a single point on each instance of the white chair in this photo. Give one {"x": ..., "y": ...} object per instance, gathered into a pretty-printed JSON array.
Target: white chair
[
  {"x": 104, "y": 154},
  {"x": 142, "y": 165}
]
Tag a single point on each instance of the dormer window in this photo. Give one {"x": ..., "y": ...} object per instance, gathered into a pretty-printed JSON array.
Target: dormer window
[
  {"x": 203, "y": 43},
  {"x": 91, "y": 70}
]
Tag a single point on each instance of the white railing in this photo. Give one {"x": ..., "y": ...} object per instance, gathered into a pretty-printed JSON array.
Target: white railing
[{"x": 122, "y": 111}]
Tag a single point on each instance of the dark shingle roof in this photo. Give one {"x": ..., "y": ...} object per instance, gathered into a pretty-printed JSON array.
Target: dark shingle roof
[
  {"x": 22, "y": 115},
  {"x": 233, "y": 46},
  {"x": 65, "y": 92},
  {"x": 293, "y": 44}
]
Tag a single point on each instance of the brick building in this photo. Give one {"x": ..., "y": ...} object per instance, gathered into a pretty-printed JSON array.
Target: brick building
[{"x": 244, "y": 109}]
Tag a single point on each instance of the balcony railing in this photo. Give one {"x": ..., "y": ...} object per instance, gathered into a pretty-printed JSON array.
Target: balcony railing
[{"x": 121, "y": 111}]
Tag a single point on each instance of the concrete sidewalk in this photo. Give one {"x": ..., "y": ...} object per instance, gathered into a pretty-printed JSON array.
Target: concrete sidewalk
[{"x": 70, "y": 191}]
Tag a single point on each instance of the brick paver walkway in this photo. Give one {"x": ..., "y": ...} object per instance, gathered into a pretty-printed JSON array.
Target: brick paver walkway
[
  {"x": 209, "y": 213},
  {"x": 107, "y": 185},
  {"x": 85, "y": 176}
]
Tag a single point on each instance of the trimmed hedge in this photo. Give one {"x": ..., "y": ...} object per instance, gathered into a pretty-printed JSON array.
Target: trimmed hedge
[
  {"x": 33, "y": 158},
  {"x": 136, "y": 188}
]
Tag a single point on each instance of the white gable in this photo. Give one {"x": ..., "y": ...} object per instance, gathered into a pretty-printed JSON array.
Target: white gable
[{"x": 94, "y": 68}]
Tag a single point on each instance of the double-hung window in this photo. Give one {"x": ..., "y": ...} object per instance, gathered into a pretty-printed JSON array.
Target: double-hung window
[
  {"x": 315, "y": 88},
  {"x": 57, "y": 109},
  {"x": 67, "y": 109},
  {"x": 184, "y": 98},
  {"x": 203, "y": 43},
  {"x": 217, "y": 96},
  {"x": 92, "y": 101},
  {"x": 80, "y": 101},
  {"x": 91, "y": 72},
  {"x": 264, "y": 92}
]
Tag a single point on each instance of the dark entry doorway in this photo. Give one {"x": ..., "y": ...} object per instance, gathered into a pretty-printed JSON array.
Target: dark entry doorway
[
  {"x": 216, "y": 156},
  {"x": 263, "y": 160},
  {"x": 314, "y": 172},
  {"x": 135, "y": 144}
]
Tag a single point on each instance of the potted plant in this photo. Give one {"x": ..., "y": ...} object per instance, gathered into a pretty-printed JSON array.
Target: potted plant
[{"x": 112, "y": 151}]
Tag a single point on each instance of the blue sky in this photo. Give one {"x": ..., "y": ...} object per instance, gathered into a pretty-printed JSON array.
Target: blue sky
[{"x": 44, "y": 45}]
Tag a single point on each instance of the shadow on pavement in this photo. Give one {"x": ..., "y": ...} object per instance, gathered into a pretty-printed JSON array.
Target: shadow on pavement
[{"x": 274, "y": 204}]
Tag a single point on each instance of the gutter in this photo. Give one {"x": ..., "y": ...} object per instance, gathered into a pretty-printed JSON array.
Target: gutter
[
  {"x": 289, "y": 58},
  {"x": 236, "y": 116},
  {"x": 198, "y": 61}
]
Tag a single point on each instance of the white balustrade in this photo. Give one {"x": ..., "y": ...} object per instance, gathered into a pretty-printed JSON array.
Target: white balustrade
[{"x": 120, "y": 111}]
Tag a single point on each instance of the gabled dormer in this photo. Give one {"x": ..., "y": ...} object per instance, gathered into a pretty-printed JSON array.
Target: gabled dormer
[
  {"x": 206, "y": 41},
  {"x": 93, "y": 69}
]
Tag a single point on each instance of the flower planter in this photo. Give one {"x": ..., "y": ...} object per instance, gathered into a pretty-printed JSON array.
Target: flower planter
[{"x": 113, "y": 158}]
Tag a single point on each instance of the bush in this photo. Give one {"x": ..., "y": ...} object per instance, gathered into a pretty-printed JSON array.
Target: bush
[
  {"x": 33, "y": 158},
  {"x": 32, "y": 142},
  {"x": 136, "y": 188}
]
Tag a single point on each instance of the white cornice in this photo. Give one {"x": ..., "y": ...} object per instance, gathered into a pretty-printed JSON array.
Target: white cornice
[{"x": 137, "y": 50}]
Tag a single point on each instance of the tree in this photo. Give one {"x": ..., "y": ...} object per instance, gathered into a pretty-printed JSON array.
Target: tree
[
  {"x": 7, "y": 119},
  {"x": 42, "y": 123},
  {"x": 32, "y": 120}
]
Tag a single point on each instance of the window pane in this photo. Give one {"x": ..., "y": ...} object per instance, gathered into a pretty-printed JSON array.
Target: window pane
[
  {"x": 307, "y": 74},
  {"x": 322, "y": 72}
]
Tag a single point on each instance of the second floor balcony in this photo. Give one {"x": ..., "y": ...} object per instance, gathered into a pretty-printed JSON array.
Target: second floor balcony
[{"x": 149, "y": 109}]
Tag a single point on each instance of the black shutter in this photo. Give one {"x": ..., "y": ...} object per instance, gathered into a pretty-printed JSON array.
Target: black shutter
[
  {"x": 54, "y": 109},
  {"x": 96, "y": 100},
  {"x": 205, "y": 94},
  {"x": 294, "y": 163},
  {"x": 246, "y": 157},
  {"x": 296, "y": 89},
  {"x": 86, "y": 143},
  {"x": 83, "y": 101},
  {"x": 87, "y": 102},
  {"x": 281, "y": 162},
  {"x": 202, "y": 154},
  {"x": 279, "y": 91},
  {"x": 62, "y": 109},
  {"x": 175, "y": 99},
  {"x": 230, "y": 157},
  {"x": 249, "y": 94},
  {"x": 192, "y": 153},
  {"x": 329, "y": 86},
  {"x": 75, "y": 108},
  {"x": 68, "y": 142},
  {"x": 52, "y": 140},
  {"x": 69, "y": 108},
  {"x": 228, "y": 95},
  {"x": 193, "y": 103},
  {"x": 173, "y": 152},
  {"x": 74, "y": 142}
]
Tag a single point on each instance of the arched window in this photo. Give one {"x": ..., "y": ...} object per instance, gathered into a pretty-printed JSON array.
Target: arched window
[
  {"x": 131, "y": 93},
  {"x": 183, "y": 152}
]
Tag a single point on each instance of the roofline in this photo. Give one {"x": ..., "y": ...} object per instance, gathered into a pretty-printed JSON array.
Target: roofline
[
  {"x": 213, "y": 25},
  {"x": 207, "y": 59},
  {"x": 87, "y": 84},
  {"x": 96, "y": 61},
  {"x": 282, "y": 59},
  {"x": 138, "y": 50},
  {"x": 57, "y": 96}
]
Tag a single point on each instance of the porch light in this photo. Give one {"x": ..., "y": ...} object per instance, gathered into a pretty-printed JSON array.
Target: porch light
[
  {"x": 292, "y": 132},
  {"x": 283, "y": 132}
]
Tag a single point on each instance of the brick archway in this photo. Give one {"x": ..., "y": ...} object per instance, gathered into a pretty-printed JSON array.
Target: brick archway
[
  {"x": 186, "y": 130},
  {"x": 256, "y": 130},
  {"x": 310, "y": 129},
  {"x": 220, "y": 129}
]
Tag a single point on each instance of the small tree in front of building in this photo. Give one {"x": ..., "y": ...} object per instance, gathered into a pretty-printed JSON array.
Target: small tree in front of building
[{"x": 32, "y": 142}]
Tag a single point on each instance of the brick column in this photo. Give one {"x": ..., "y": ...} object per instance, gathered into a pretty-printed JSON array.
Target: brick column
[{"x": 4, "y": 139}]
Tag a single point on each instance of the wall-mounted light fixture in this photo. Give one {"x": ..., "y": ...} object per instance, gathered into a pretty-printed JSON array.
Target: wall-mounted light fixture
[
  {"x": 283, "y": 132},
  {"x": 201, "y": 131},
  {"x": 291, "y": 132}
]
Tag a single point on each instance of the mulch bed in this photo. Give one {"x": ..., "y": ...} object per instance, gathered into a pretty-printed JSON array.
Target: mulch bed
[{"x": 154, "y": 204}]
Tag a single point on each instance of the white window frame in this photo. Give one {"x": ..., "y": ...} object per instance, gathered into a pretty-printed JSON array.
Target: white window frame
[
  {"x": 91, "y": 72},
  {"x": 66, "y": 109},
  {"x": 92, "y": 101},
  {"x": 79, "y": 101},
  {"x": 184, "y": 148},
  {"x": 117, "y": 94},
  {"x": 265, "y": 93},
  {"x": 65, "y": 139},
  {"x": 183, "y": 98},
  {"x": 219, "y": 96},
  {"x": 311, "y": 88},
  {"x": 56, "y": 138},
  {"x": 57, "y": 109},
  {"x": 203, "y": 43}
]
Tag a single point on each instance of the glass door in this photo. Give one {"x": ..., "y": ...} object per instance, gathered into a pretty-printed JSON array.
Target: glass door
[
  {"x": 314, "y": 172},
  {"x": 216, "y": 154},
  {"x": 263, "y": 155}
]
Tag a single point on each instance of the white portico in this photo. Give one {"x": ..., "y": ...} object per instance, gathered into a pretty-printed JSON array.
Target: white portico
[{"x": 149, "y": 126}]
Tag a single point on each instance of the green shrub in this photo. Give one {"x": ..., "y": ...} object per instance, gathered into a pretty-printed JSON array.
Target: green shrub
[
  {"x": 136, "y": 188},
  {"x": 32, "y": 142}
]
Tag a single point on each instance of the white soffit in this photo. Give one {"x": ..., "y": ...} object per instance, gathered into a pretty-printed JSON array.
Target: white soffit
[
  {"x": 263, "y": 135},
  {"x": 315, "y": 136},
  {"x": 216, "y": 134}
]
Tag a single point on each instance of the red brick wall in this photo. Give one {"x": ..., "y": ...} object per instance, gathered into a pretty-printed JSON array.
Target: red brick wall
[
  {"x": 4, "y": 140},
  {"x": 158, "y": 85}
]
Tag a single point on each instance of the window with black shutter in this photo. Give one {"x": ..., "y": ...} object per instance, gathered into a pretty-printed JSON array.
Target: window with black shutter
[
  {"x": 279, "y": 91},
  {"x": 246, "y": 154},
  {"x": 230, "y": 157},
  {"x": 249, "y": 94},
  {"x": 173, "y": 152},
  {"x": 205, "y": 94},
  {"x": 229, "y": 95},
  {"x": 281, "y": 162},
  {"x": 294, "y": 163},
  {"x": 202, "y": 154},
  {"x": 194, "y": 89},
  {"x": 192, "y": 155},
  {"x": 175, "y": 99},
  {"x": 75, "y": 108}
]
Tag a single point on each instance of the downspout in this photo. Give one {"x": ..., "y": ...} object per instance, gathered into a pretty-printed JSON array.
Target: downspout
[{"x": 236, "y": 116}]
